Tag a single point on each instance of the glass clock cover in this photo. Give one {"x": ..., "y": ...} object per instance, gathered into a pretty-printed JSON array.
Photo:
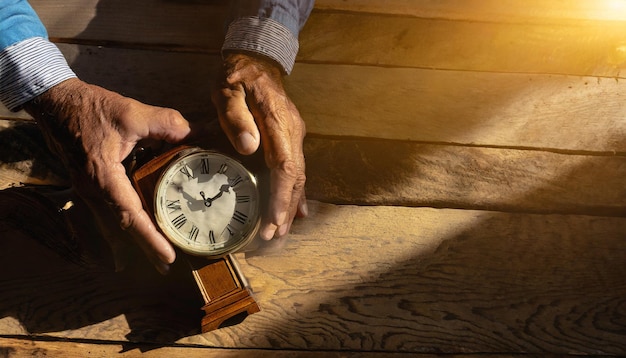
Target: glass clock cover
[{"x": 207, "y": 203}]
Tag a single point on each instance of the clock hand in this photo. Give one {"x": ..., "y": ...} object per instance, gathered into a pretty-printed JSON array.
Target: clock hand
[
  {"x": 224, "y": 189},
  {"x": 209, "y": 201}
]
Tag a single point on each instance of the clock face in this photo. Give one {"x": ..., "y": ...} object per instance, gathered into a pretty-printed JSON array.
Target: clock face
[{"x": 207, "y": 204}]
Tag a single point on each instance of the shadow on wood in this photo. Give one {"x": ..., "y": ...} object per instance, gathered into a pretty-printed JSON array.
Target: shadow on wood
[
  {"x": 383, "y": 172},
  {"x": 443, "y": 281},
  {"x": 74, "y": 286},
  {"x": 24, "y": 155}
]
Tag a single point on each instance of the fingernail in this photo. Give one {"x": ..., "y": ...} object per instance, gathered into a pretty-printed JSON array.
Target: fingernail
[
  {"x": 282, "y": 217},
  {"x": 282, "y": 230},
  {"x": 163, "y": 268},
  {"x": 304, "y": 209},
  {"x": 167, "y": 255},
  {"x": 267, "y": 233},
  {"x": 246, "y": 143}
]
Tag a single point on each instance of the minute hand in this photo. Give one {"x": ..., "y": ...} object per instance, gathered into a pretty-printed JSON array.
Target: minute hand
[{"x": 209, "y": 201}]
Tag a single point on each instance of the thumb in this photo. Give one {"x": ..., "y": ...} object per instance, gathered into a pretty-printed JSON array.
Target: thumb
[
  {"x": 235, "y": 118},
  {"x": 167, "y": 124}
]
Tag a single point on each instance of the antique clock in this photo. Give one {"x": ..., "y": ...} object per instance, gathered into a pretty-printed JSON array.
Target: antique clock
[{"x": 207, "y": 204}]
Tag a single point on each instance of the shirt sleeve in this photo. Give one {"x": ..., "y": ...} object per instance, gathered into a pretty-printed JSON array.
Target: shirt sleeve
[
  {"x": 267, "y": 27},
  {"x": 29, "y": 63}
]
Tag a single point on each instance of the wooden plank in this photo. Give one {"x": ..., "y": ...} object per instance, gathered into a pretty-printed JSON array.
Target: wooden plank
[
  {"x": 383, "y": 279},
  {"x": 486, "y": 10},
  {"x": 402, "y": 173},
  {"x": 19, "y": 347},
  {"x": 595, "y": 48},
  {"x": 178, "y": 80},
  {"x": 587, "y": 48},
  {"x": 22, "y": 347},
  {"x": 455, "y": 281},
  {"x": 6, "y": 114},
  {"x": 472, "y": 10},
  {"x": 25, "y": 159},
  {"x": 508, "y": 110},
  {"x": 371, "y": 172},
  {"x": 173, "y": 24},
  {"x": 15, "y": 347}
]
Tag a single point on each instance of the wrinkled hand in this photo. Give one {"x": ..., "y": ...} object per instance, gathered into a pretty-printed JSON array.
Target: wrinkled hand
[
  {"x": 253, "y": 108},
  {"x": 93, "y": 130}
]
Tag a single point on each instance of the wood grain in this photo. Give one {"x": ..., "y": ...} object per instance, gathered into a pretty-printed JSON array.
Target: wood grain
[
  {"x": 384, "y": 279},
  {"x": 409, "y": 174},
  {"x": 375, "y": 172},
  {"x": 481, "y": 104},
  {"x": 477, "y": 108},
  {"x": 472, "y": 10},
  {"x": 424, "y": 280},
  {"x": 175, "y": 24},
  {"x": 15, "y": 347},
  {"x": 25, "y": 159},
  {"x": 485, "y": 10},
  {"x": 580, "y": 48},
  {"x": 57, "y": 275},
  {"x": 502, "y": 43}
]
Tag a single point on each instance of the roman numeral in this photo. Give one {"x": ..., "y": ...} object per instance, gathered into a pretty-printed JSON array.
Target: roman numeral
[
  {"x": 187, "y": 171},
  {"x": 243, "y": 199},
  {"x": 193, "y": 234},
  {"x": 230, "y": 229},
  {"x": 212, "y": 237},
  {"x": 204, "y": 166},
  {"x": 240, "y": 217},
  {"x": 179, "y": 221},
  {"x": 223, "y": 168},
  {"x": 234, "y": 181},
  {"x": 173, "y": 205}
]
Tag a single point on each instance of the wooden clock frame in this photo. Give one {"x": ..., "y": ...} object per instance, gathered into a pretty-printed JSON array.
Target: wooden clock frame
[{"x": 220, "y": 282}]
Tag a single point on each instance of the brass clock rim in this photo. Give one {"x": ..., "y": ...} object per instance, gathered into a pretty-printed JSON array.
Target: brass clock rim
[{"x": 215, "y": 253}]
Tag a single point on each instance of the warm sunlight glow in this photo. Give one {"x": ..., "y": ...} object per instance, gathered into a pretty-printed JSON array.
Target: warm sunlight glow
[
  {"x": 617, "y": 5},
  {"x": 615, "y": 9}
]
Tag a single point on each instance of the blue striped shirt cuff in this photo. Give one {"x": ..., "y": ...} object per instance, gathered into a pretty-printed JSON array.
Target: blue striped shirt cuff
[
  {"x": 263, "y": 36},
  {"x": 28, "y": 69}
]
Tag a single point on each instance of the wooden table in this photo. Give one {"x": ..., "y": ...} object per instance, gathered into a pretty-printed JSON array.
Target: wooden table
[{"x": 465, "y": 168}]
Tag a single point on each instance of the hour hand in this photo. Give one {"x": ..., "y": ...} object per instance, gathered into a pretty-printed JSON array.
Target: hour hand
[{"x": 207, "y": 201}]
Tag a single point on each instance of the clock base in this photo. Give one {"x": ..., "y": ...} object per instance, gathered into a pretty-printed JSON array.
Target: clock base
[{"x": 224, "y": 290}]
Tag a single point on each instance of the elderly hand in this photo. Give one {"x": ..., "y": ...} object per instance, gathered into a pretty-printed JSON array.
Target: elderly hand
[
  {"x": 253, "y": 108},
  {"x": 93, "y": 130}
]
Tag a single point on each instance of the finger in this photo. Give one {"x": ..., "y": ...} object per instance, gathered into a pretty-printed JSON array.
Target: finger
[
  {"x": 282, "y": 180},
  {"x": 235, "y": 118},
  {"x": 282, "y": 130},
  {"x": 286, "y": 162},
  {"x": 303, "y": 207},
  {"x": 301, "y": 210},
  {"x": 134, "y": 219},
  {"x": 167, "y": 124},
  {"x": 294, "y": 207},
  {"x": 155, "y": 122}
]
